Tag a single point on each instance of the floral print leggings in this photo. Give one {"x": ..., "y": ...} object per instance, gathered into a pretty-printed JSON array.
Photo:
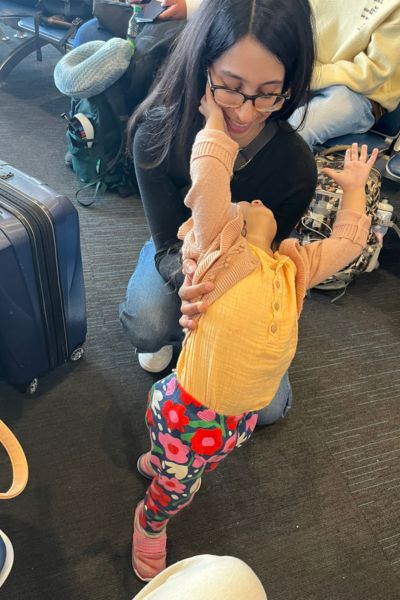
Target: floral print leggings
[{"x": 187, "y": 440}]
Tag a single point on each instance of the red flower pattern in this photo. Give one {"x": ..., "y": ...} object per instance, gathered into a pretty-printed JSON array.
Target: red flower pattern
[
  {"x": 180, "y": 412},
  {"x": 211, "y": 467},
  {"x": 158, "y": 494},
  {"x": 232, "y": 422},
  {"x": 174, "y": 414},
  {"x": 188, "y": 398},
  {"x": 206, "y": 441},
  {"x": 151, "y": 505},
  {"x": 149, "y": 417}
]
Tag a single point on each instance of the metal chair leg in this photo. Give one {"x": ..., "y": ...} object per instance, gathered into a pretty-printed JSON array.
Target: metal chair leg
[
  {"x": 3, "y": 36},
  {"x": 18, "y": 54}
]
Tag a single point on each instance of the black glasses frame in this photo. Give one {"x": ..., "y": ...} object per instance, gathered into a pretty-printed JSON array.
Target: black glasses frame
[{"x": 213, "y": 87}]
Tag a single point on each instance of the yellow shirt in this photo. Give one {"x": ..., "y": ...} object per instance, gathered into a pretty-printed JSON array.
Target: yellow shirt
[{"x": 250, "y": 333}]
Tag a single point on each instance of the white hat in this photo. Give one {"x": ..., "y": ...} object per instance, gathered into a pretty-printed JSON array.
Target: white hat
[{"x": 205, "y": 577}]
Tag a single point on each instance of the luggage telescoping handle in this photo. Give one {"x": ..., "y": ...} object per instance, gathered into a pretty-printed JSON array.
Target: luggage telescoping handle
[{"x": 18, "y": 460}]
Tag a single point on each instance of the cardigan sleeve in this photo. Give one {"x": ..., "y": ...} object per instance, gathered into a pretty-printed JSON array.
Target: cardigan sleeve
[
  {"x": 209, "y": 197},
  {"x": 323, "y": 258}
]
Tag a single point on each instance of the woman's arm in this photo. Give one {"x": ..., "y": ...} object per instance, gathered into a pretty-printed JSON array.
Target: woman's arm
[{"x": 162, "y": 202}]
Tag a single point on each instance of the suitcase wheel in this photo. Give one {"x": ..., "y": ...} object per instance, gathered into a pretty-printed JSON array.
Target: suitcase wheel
[
  {"x": 77, "y": 354},
  {"x": 32, "y": 387}
]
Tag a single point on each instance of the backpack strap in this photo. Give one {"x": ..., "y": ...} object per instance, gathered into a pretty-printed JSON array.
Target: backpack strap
[{"x": 18, "y": 462}]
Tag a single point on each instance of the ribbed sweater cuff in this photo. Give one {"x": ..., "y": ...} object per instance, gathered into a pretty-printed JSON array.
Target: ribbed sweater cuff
[
  {"x": 352, "y": 226},
  {"x": 215, "y": 143}
]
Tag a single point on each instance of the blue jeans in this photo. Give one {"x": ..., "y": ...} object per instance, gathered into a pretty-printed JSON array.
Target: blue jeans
[
  {"x": 90, "y": 31},
  {"x": 150, "y": 316},
  {"x": 333, "y": 111},
  {"x": 280, "y": 405},
  {"x": 151, "y": 311}
]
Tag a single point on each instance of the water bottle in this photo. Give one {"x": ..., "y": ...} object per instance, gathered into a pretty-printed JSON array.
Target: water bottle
[
  {"x": 133, "y": 26},
  {"x": 384, "y": 214}
]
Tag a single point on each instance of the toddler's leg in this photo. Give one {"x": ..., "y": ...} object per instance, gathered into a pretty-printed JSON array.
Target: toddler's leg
[
  {"x": 240, "y": 429},
  {"x": 186, "y": 438}
]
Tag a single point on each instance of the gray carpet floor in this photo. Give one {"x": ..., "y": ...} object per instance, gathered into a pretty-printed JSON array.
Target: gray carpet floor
[{"x": 311, "y": 503}]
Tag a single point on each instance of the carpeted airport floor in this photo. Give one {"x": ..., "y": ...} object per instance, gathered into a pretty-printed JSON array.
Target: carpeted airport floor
[{"x": 312, "y": 503}]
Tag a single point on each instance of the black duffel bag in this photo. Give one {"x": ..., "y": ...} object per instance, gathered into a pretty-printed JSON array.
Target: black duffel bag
[{"x": 69, "y": 9}]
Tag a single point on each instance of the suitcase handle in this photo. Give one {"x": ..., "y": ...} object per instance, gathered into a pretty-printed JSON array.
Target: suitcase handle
[{"x": 18, "y": 462}]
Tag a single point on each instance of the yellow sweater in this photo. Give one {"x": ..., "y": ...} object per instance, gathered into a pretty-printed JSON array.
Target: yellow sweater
[
  {"x": 234, "y": 360},
  {"x": 245, "y": 342},
  {"x": 358, "y": 45}
]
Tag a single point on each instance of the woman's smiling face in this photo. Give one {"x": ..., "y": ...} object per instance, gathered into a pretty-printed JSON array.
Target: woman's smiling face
[{"x": 250, "y": 68}]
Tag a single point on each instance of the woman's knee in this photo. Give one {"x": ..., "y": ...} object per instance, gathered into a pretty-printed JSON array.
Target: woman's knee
[
  {"x": 90, "y": 31},
  {"x": 148, "y": 330},
  {"x": 150, "y": 313},
  {"x": 280, "y": 405}
]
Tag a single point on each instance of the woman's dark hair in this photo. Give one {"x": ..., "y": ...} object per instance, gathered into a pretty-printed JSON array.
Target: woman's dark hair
[{"x": 284, "y": 27}]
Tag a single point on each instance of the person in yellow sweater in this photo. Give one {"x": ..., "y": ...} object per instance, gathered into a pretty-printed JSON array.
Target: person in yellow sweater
[
  {"x": 357, "y": 72},
  {"x": 231, "y": 364}
]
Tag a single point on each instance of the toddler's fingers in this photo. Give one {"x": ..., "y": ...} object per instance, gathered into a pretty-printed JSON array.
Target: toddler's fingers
[
  {"x": 347, "y": 156},
  {"x": 364, "y": 153},
  {"x": 373, "y": 157},
  {"x": 330, "y": 172},
  {"x": 354, "y": 151},
  {"x": 187, "y": 324},
  {"x": 188, "y": 266}
]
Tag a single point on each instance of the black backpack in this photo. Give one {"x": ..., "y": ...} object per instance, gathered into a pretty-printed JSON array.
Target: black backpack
[{"x": 101, "y": 161}]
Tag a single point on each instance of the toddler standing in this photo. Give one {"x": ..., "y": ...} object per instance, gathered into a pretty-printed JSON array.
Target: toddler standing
[{"x": 230, "y": 366}]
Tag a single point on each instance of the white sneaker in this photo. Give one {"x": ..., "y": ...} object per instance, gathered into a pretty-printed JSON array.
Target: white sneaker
[{"x": 154, "y": 362}]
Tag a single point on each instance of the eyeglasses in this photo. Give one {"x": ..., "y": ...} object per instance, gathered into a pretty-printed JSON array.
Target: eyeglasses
[{"x": 263, "y": 103}]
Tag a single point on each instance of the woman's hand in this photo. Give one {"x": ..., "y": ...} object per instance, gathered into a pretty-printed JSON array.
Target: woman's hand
[
  {"x": 188, "y": 293},
  {"x": 356, "y": 168},
  {"x": 212, "y": 112},
  {"x": 175, "y": 9}
]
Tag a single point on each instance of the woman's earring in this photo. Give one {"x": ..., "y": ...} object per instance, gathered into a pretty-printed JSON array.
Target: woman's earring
[{"x": 244, "y": 230}]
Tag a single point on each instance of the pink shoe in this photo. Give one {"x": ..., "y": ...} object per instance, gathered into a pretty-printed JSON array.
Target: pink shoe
[
  {"x": 149, "y": 552},
  {"x": 144, "y": 467}
]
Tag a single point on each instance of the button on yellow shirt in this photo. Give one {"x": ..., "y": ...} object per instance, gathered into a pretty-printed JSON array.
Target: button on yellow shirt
[{"x": 234, "y": 361}]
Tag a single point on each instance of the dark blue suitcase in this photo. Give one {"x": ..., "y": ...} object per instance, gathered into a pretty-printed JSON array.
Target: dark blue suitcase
[{"x": 42, "y": 296}]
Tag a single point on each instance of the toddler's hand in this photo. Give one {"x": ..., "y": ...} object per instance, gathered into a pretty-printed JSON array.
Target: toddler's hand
[
  {"x": 356, "y": 168},
  {"x": 212, "y": 112},
  {"x": 176, "y": 9}
]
